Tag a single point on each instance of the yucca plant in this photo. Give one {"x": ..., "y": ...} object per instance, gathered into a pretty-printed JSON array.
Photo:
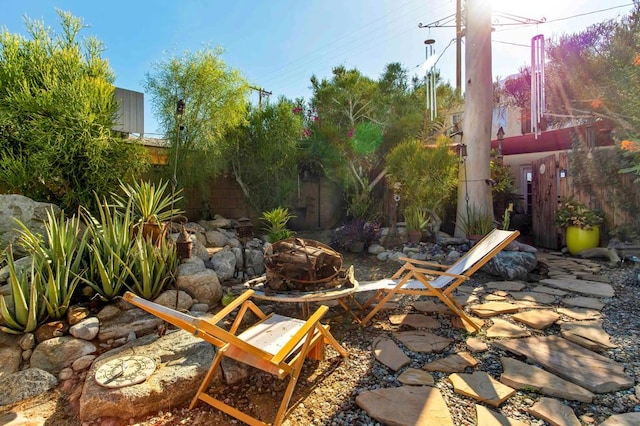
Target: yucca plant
[
  {"x": 58, "y": 259},
  {"x": 109, "y": 250},
  {"x": 27, "y": 310},
  {"x": 150, "y": 203},
  {"x": 275, "y": 224},
  {"x": 151, "y": 267}
]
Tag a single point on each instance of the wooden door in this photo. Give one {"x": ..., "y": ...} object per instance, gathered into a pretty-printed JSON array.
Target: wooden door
[{"x": 545, "y": 200}]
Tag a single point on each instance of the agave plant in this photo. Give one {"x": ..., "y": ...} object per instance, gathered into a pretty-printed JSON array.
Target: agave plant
[
  {"x": 27, "y": 309},
  {"x": 149, "y": 203},
  {"x": 109, "y": 250},
  {"x": 57, "y": 259},
  {"x": 151, "y": 267}
]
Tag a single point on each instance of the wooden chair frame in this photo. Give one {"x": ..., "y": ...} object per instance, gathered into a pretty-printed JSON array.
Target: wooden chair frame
[
  {"x": 414, "y": 277},
  {"x": 254, "y": 346}
]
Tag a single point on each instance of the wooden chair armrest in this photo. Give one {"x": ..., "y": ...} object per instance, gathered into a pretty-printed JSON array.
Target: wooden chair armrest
[
  {"x": 300, "y": 334},
  {"x": 231, "y": 306},
  {"x": 422, "y": 262}
]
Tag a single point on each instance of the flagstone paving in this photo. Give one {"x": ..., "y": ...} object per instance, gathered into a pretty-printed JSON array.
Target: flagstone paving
[
  {"x": 589, "y": 288},
  {"x": 583, "y": 302},
  {"x": 503, "y": 328},
  {"x": 626, "y": 419},
  {"x": 423, "y": 341},
  {"x": 563, "y": 366},
  {"x": 539, "y": 319},
  {"x": 520, "y": 375},
  {"x": 531, "y": 296},
  {"x": 476, "y": 345},
  {"x": 415, "y": 377},
  {"x": 454, "y": 363},
  {"x": 406, "y": 405},
  {"x": 580, "y": 313},
  {"x": 589, "y": 334},
  {"x": 414, "y": 320},
  {"x": 389, "y": 353},
  {"x": 570, "y": 361},
  {"x": 487, "y": 417},
  {"x": 555, "y": 412},
  {"x": 490, "y": 309},
  {"x": 480, "y": 386},
  {"x": 549, "y": 290}
]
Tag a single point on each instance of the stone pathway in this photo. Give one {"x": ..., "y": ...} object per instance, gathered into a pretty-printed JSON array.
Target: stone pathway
[{"x": 570, "y": 364}]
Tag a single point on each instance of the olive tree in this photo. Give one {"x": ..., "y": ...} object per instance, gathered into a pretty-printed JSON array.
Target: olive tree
[{"x": 57, "y": 110}]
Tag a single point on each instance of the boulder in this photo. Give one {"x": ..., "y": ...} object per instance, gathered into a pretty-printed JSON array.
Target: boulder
[
  {"x": 87, "y": 329},
  {"x": 203, "y": 286},
  {"x": 32, "y": 214},
  {"x": 126, "y": 322},
  {"x": 22, "y": 264},
  {"x": 25, "y": 384},
  {"x": 216, "y": 239},
  {"x": 255, "y": 261},
  {"x": 182, "y": 361},
  {"x": 168, "y": 299},
  {"x": 224, "y": 263},
  {"x": 191, "y": 266},
  {"x": 10, "y": 354},
  {"x": 511, "y": 265},
  {"x": 53, "y": 355}
]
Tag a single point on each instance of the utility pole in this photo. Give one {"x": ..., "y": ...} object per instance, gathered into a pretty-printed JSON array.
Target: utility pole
[
  {"x": 474, "y": 193},
  {"x": 458, "y": 46},
  {"x": 261, "y": 93}
]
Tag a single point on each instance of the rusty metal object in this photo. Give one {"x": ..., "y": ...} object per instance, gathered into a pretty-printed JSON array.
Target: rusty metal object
[{"x": 303, "y": 265}]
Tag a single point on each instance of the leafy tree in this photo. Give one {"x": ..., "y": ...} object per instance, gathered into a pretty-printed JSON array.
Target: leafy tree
[
  {"x": 426, "y": 175},
  {"x": 57, "y": 108},
  {"x": 263, "y": 154},
  {"x": 215, "y": 98}
]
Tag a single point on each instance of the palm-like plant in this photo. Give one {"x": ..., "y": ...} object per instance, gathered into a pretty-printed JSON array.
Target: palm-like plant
[{"x": 275, "y": 224}]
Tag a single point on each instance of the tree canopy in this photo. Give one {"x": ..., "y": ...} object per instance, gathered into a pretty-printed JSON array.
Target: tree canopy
[
  {"x": 263, "y": 154},
  {"x": 215, "y": 97},
  {"x": 57, "y": 109}
]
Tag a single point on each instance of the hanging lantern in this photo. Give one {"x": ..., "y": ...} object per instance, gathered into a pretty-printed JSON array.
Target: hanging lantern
[{"x": 184, "y": 245}]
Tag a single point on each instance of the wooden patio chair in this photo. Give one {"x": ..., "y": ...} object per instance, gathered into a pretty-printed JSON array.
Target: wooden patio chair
[
  {"x": 275, "y": 344},
  {"x": 415, "y": 277}
]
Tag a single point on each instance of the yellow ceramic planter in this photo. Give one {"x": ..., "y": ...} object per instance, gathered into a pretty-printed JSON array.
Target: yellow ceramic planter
[{"x": 581, "y": 239}]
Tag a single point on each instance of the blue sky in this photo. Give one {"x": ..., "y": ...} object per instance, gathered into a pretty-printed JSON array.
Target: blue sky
[{"x": 279, "y": 44}]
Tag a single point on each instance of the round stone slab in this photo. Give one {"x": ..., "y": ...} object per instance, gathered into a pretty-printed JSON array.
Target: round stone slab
[{"x": 125, "y": 371}]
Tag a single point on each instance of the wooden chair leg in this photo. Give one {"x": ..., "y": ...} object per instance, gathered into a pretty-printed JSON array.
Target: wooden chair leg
[{"x": 207, "y": 379}]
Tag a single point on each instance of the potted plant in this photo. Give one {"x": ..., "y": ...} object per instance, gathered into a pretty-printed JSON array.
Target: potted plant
[
  {"x": 581, "y": 224},
  {"x": 477, "y": 224},
  {"x": 150, "y": 206},
  {"x": 416, "y": 220}
]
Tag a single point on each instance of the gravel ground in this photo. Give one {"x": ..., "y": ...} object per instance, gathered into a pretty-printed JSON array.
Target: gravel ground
[{"x": 327, "y": 390}]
